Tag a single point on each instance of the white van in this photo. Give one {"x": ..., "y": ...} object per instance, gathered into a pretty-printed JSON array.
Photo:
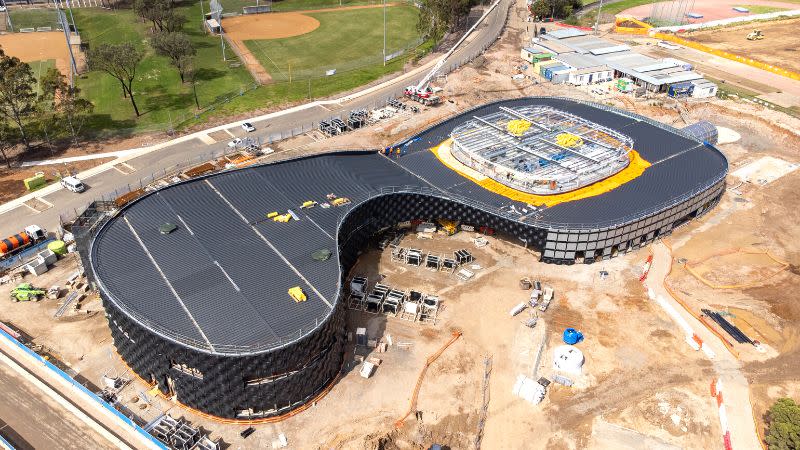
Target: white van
[{"x": 73, "y": 184}]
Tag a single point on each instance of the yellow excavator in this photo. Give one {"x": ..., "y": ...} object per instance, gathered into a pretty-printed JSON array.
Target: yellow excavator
[{"x": 755, "y": 35}]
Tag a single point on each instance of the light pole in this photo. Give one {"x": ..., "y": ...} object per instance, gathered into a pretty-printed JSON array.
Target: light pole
[
  {"x": 597, "y": 21},
  {"x": 384, "y": 33}
]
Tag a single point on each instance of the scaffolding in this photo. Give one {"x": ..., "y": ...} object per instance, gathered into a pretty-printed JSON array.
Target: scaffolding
[{"x": 540, "y": 150}]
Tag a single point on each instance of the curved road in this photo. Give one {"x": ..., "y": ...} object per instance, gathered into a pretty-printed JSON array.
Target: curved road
[{"x": 177, "y": 151}]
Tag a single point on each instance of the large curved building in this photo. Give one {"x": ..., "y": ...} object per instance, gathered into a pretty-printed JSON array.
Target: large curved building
[{"x": 195, "y": 276}]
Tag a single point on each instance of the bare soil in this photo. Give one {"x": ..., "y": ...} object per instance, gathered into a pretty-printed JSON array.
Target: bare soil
[
  {"x": 779, "y": 46},
  {"x": 38, "y": 46}
]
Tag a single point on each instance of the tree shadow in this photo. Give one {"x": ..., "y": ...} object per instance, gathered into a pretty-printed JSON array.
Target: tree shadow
[{"x": 208, "y": 74}]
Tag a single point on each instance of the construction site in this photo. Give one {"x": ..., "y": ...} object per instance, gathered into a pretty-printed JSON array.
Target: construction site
[{"x": 527, "y": 265}]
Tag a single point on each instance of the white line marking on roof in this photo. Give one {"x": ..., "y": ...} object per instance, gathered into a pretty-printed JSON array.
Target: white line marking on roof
[
  {"x": 320, "y": 228},
  {"x": 228, "y": 277},
  {"x": 169, "y": 285},
  {"x": 263, "y": 238},
  {"x": 185, "y": 224}
]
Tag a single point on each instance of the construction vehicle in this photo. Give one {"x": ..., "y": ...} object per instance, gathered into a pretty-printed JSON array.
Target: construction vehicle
[
  {"x": 25, "y": 292},
  {"x": 22, "y": 240},
  {"x": 422, "y": 92},
  {"x": 755, "y": 35}
]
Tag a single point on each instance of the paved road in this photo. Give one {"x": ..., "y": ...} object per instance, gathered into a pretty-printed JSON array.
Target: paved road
[
  {"x": 29, "y": 419},
  {"x": 735, "y": 387},
  {"x": 111, "y": 180}
]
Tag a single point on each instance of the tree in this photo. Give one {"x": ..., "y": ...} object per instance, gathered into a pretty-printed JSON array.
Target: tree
[
  {"x": 17, "y": 94},
  {"x": 8, "y": 140},
  {"x": 439, "y": 16},
  {"x": 784, "y": 425},
  {"x": 119, "y": 61},
  {"x": 177, "y": 47},
  {"x": 65, "y": 100},
  {"x": 555, "y": 8},
  {"x": 160, "y": 13},
  {"x": 191, "y": 73}
]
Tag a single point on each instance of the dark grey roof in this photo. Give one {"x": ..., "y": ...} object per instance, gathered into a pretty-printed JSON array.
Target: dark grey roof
[{"x": 219, "y": 282}]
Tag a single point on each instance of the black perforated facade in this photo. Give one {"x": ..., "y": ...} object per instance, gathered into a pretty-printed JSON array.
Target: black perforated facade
[{"x": 204, "y": 311}]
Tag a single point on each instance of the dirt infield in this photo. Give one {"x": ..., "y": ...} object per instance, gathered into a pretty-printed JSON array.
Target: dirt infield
[
  {"x": 271, "y": 26},
  {"x": 712, "y": 9},
  {"x": 779, "y": 47},
  {"x": 38, "y": 46}
]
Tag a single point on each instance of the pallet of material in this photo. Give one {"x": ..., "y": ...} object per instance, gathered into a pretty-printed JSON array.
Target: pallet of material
[
  {"x": 124, "y": 199},
  {"x": 73, "y": 296},
  {"x": 729, "y": 328},
  {"x": 202, "y": 169}
]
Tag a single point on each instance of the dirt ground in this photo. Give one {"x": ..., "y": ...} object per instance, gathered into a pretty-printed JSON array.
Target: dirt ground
[
  {"x": 710, "y": 9},
  {"x": 779, "y": 46},
  {"x": 617, "y": 383},
  {"x": 38, "y": 46},
  {"x": 11, "y": 185}
]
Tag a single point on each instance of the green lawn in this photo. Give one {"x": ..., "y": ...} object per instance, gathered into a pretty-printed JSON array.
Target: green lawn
[
  {"x": 761, "y": 9},
  {"x": 297, "y": 5},
  {"x": 610, "y": 10},
  {"x": 227, "y": 88},
  {"x": 345, "y": 40},
  {"x": 159, "y": 93},
  {"x": 33, "y": 18},
  {"x": 40, "y": 68}
]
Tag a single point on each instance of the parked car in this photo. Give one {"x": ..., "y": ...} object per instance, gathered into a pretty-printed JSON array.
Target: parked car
[
  {"x": 73, "y": 184},
  {"x": 247, "y": 126},
  {"x": 2, "y": 8},
  {"x": 235, "y": 143}
]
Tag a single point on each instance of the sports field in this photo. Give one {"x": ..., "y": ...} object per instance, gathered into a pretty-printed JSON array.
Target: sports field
[
  {"x": 328, "y": 39},
  {"x": 160, "y": 94},
  {"x": 29, "y": 47},
  {"x": 342, "y": 40},
  {"x": 716, "y": 9}
]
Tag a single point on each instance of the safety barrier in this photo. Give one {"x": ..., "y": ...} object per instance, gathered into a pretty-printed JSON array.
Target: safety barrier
[
  {"x": 716, "y": 392},
  {"x": 731, "y": 56},
  {"x": 727, "y": 344},
  {"x": 578, "y": 27},
  {"x": 91, "y": 395},
  {"x": 621, "y": 25}
]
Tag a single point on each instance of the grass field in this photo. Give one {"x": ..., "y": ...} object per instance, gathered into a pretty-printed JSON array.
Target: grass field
[
  {"x": 761, "y": 9},
  {"x": 40, "y": 68},
  {"x": 159, "y": 93},
  {"x": 33, "y": 18},
  {"x": 297, "y": 5},
  {"x": 345, "y": 40},
  {"x": 226, "y": 88},
  {"x": 609, "y": 11}
]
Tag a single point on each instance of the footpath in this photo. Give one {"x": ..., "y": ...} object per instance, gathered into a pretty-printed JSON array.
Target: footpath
[{"x": 736, "y": 415}]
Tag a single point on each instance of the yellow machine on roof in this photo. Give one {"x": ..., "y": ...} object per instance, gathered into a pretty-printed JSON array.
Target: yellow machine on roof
[{"x": 297, "y": 294}]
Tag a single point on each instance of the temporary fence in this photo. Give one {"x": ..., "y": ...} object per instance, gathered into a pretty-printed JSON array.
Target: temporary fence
[{"x": 83, "y": 391}]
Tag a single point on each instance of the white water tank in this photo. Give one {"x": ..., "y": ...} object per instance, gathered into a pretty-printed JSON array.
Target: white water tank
[{"x": 567, "y": 358}]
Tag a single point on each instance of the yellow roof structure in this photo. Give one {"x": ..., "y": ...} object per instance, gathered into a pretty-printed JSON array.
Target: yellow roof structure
[{"x": 518, "y": 127}]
